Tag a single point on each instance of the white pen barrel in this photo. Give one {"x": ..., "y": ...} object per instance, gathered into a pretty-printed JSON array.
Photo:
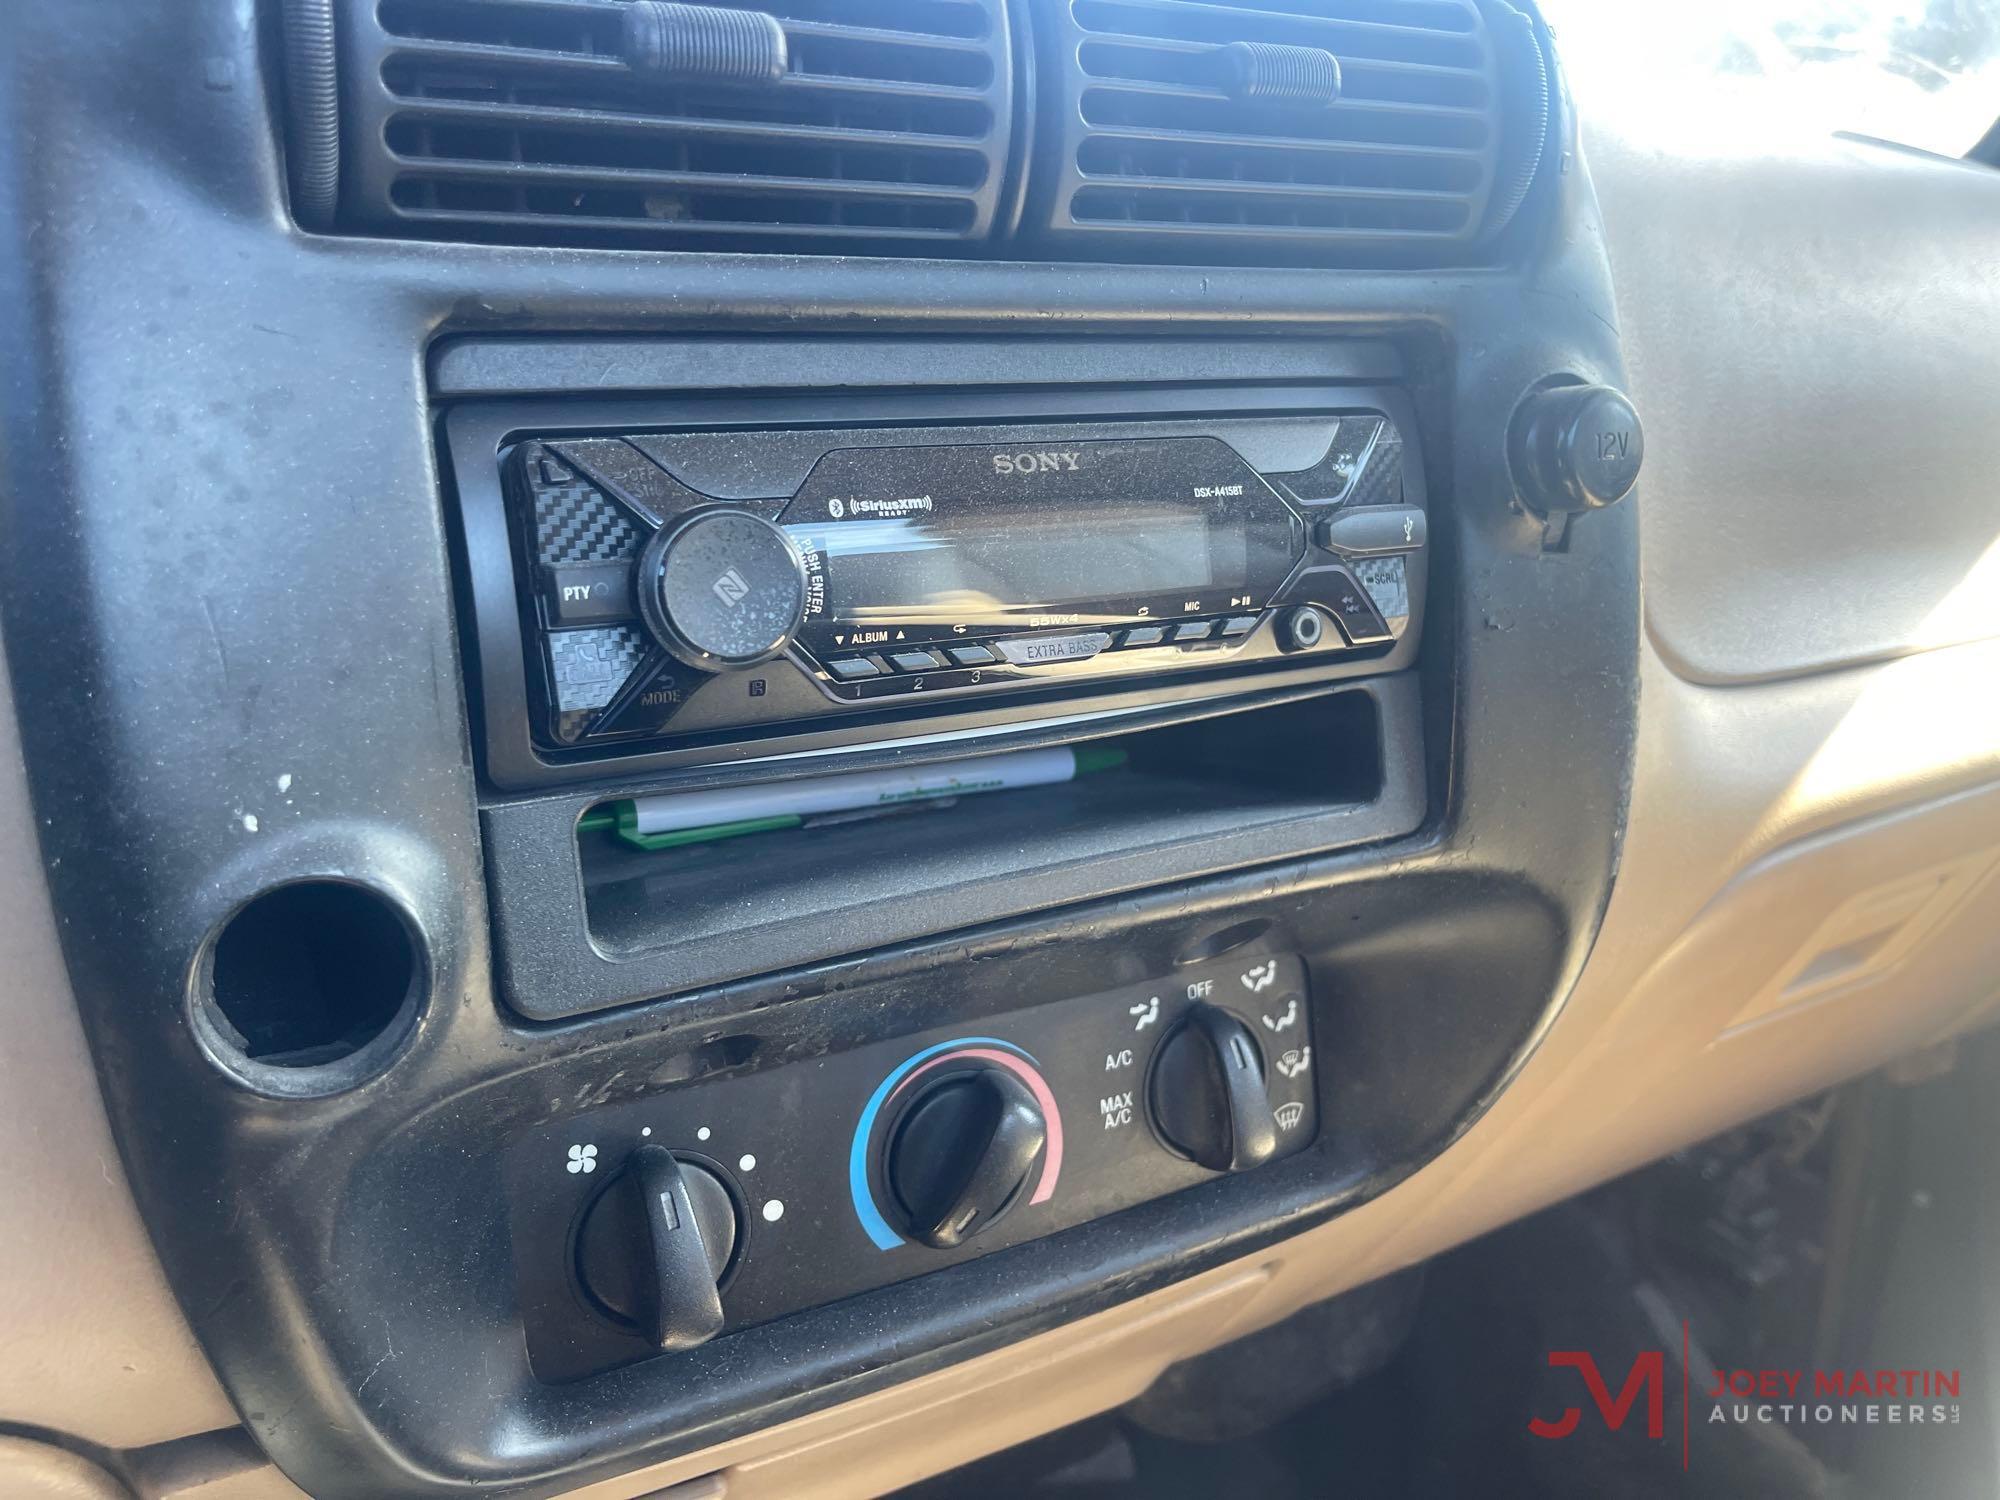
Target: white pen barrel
[{"x": 852, "y": 790}]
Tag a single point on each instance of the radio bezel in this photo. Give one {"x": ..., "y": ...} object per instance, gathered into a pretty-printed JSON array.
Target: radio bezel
[{"x": 478, "y": 434}]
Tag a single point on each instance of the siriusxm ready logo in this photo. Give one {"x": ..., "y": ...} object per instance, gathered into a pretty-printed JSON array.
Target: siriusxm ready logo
[{"x": 1063, "y": 462}]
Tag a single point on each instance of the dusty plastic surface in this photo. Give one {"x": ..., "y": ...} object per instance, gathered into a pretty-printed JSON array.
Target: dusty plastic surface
[
  {"x": 1724, "y": 778},
  {"x": 252, "y": 593},
  {"x": 1809, "y": 328}
]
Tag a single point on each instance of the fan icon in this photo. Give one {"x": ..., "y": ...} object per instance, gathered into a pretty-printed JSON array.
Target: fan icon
[{"x": 583, "y": 1158}]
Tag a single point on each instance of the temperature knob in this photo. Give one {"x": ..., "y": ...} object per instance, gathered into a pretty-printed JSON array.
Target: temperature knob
[
  {"x": 722, "y": 588},
  {"x": 962, "y": 1155}
]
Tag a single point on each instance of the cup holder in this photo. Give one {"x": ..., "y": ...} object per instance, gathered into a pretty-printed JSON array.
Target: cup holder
[{"x": 310, "y": 987}]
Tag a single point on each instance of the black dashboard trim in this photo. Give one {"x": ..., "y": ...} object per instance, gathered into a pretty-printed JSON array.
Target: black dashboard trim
[
  {"x": 225, "y": 522},
  {"x": 515, "y": 367}
]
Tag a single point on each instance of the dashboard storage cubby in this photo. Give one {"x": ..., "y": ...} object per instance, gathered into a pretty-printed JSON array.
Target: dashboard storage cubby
[{"x": 1232, "y": 786}]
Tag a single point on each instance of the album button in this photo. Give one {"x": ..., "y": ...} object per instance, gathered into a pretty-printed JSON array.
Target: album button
[
  {"x": 1034, "y": 650},
  {"x": 853, "y": 668},
  {"x": 916, "y": 661}
]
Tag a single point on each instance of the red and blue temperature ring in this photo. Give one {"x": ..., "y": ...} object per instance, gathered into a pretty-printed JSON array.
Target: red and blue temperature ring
[{"x": 982, "y": 1049}]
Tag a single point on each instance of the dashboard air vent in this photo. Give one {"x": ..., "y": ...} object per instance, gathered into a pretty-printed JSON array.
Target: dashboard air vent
[
  {"x": 810, "y": 124},
  {"x": 1336, "y": 130}
]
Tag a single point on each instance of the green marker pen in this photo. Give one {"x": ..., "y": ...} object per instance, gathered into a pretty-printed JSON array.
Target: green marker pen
[{"x": 678, "y": 818}]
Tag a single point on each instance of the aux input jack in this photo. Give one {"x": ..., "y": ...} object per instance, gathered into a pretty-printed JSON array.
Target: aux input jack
[{"x": 1304, "y": 628}]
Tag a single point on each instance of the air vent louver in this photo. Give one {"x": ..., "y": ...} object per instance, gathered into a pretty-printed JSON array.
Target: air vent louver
[
  {"x": 1166, "y": 143},
  {"x": 520, "y": 120}
]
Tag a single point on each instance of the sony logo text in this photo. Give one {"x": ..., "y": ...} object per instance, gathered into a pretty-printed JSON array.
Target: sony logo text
[{"x": 1036, "y": 463}]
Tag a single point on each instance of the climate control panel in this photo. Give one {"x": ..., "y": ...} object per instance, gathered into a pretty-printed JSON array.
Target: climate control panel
[{"x": 652, "y": 1225}]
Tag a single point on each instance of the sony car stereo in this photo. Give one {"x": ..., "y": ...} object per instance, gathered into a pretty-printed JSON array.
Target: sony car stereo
[{"x": 736, "y": 586}]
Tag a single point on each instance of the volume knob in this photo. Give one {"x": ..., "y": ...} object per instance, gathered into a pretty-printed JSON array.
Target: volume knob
[{"x": 722, "y": 588}]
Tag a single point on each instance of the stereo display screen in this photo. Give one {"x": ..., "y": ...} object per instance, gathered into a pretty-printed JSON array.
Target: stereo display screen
[
  {"x": 1027, "y": 561},
  {"x": 964, "y": 537}
]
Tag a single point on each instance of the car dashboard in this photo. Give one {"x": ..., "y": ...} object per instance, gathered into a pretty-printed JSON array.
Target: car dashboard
[{"x": 761, "y": 747}]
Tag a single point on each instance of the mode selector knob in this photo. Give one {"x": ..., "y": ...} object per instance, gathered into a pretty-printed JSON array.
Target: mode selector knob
[
  {"x": 962, "y": 1154},
  {"x": 722, "y": 588},
  {"x": 654, "y": 1245},
  {"x": 1575, "y": 448},
  {"x": 1207, "y": 1092}
]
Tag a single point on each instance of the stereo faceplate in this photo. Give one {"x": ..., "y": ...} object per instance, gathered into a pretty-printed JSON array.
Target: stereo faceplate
[{"x": 955, "y": 573}]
